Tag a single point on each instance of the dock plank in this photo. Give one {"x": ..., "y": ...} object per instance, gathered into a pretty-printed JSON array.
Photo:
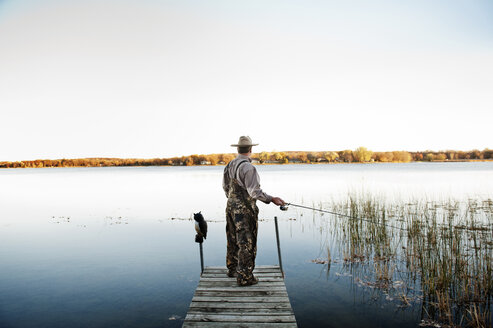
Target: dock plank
[
  {"x": 239, "y": 318},
  {"x": 233, "y": 311},
  {"x": 241, "y": 293},
  {"x": 220, "y": 302},
  {"x": 232, "y": 283},
  {"x": 217, "y": 274},
  {"x": 241, "y": 289},
  {"x": 221, "y": 279},
  {"x": 257, "y": 268},
  {"x": 241, "y": 305},
  {"x": 192, "y": 324}
]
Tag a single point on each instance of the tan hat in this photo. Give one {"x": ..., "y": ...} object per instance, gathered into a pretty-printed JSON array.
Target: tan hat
[{"x": 244, "y": 141}]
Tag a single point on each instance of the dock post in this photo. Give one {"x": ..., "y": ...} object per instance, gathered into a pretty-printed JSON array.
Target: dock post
[
  {"x": 278, "y": 246},
  {"x": 201, "y": 259}
]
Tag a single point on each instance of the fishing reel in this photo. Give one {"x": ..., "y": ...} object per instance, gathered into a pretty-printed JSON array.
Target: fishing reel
[{"x": 283, "y": 207}]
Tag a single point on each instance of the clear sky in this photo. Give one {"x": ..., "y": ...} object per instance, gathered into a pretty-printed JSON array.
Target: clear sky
[{"x": 148, "y": 78}]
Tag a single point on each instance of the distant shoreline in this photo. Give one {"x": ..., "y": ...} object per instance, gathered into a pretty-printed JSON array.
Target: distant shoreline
[
  {"x": 259, "y": 164},
  {"x": 358, "y": 156}
]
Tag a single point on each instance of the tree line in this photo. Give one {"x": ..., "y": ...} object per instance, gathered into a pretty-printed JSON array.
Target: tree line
[
  {"x": 359, "y": 155},
  {"x": 364, "y": 155}
]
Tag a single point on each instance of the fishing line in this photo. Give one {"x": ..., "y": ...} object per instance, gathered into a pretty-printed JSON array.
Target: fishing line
[{"x": 284, "y": 208}]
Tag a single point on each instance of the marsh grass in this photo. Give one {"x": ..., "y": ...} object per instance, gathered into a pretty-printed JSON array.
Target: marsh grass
[{"x": 437, "y": 254}]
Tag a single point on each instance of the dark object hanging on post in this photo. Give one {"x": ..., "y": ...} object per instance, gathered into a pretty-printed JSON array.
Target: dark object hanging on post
[
  {"x": 201, "y": 229},
  {"x": 200, "y": 226}
]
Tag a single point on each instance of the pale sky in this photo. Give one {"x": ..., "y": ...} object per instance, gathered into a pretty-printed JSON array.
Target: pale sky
[{"x": 148, "y": 78}]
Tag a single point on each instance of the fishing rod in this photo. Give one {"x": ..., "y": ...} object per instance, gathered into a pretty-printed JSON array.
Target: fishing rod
[{"x": 285, "y": 208}]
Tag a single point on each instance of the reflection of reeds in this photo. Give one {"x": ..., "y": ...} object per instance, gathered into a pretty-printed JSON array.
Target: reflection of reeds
[{"x": 443, "y": 250}]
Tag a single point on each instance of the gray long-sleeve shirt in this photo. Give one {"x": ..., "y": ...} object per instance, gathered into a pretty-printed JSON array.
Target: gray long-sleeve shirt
[{"x": 247, "y": 177}]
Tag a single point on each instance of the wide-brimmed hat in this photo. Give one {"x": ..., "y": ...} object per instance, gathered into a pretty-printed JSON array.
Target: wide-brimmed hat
[{"x": 244, "y": 141}]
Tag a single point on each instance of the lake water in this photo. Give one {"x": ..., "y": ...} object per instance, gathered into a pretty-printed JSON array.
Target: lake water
[{"x": 114, "y": 247}]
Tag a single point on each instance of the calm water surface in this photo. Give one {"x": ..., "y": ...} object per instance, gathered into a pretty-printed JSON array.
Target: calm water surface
[{"x": 113, "y": 247}]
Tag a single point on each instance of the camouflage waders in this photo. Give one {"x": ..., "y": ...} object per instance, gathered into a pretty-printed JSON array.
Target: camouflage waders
[{"x": 241, "y": 232}]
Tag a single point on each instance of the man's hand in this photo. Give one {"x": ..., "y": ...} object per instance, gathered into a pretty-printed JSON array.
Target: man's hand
[{"x": 278, "y": 201}]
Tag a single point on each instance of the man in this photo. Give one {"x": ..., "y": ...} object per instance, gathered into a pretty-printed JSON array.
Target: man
[{"x": 242, "y": 187}]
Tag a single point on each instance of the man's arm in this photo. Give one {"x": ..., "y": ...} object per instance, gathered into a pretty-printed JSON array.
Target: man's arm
[
  {"x": 252, "y": 184},
  {"x": 226, "y": 180},
  {"x": 278, "y": 201}
]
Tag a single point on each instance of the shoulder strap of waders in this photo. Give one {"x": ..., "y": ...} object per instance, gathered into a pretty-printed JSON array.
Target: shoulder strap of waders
[
  {"x": 238, "y": 166},
  {"x": 244, "y": 190}
]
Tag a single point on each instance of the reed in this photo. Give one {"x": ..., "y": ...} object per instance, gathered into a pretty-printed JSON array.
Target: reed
[{"x": 437, "y": 254}]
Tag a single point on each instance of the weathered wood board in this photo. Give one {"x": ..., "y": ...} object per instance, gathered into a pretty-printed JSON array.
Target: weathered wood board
[{"x": 220, "y": 302}]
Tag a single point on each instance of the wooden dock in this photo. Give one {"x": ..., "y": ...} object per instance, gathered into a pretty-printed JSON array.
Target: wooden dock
[{"x": 220, "y": 302}]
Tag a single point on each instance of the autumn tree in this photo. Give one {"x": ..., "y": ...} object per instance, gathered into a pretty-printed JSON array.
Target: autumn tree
[
  {"x": 303, "y": 157},
  {"x": 429, "y": 157},
  {"x": 401, "y": 156},
  {"x": 331, "y": 156},
  {"x": 346, "y": 155},
  {"x": 213, "y": 159},
  {"x": 476, "y": 154},
  {"x": 362, "y": 154},
  {"x": 280, "y": 157},
  {"x": 263, "y": 156},
  {"x": 312, "y": 157},
  {"x": 384, "y": 157},
  {"x": 417, "y": 156},
  {"x": 441, "y": 157}
]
